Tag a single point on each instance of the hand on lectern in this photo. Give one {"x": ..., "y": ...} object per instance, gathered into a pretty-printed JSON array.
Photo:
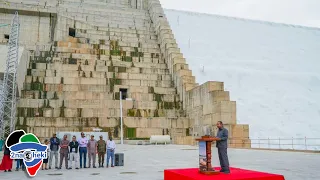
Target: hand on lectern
[{"x": 218, "y": 139}]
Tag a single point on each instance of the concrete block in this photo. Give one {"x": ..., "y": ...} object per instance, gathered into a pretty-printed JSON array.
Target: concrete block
[
  {"x": 240, "y": 131},
  {"x": 184, "y": 140},
  {"x": 180, "y": 123},
  {"x": 148, "y": 132},
  {"x": 220, "y": 96}
]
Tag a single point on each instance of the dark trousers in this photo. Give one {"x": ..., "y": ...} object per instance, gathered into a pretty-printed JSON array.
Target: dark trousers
[
  {"x": 64, "y": 155},
  {"x": 20, "y": 164},
  {"x": 101, "y": 157},
  {"x": 83, "y": 154},
  {"x": 223, "y": 158}
]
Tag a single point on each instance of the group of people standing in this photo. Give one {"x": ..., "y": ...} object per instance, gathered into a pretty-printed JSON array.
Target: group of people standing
[{"x": 70, "y": 151}]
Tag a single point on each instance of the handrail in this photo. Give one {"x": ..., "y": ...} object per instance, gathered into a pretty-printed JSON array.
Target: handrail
[{"x": 310, "y": 144}]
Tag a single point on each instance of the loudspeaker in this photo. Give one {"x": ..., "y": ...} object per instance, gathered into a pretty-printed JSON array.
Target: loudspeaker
[{"x": 119, "y": 159}]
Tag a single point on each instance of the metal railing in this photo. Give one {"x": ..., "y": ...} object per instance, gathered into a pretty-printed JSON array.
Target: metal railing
[{"x": 307, "y": 144}]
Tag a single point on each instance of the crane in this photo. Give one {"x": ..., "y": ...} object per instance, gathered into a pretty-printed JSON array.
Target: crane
[{"x": 8, "y": 91}]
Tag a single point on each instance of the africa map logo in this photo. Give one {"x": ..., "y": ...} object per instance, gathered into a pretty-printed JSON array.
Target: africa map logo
[{"x": 28, "y": 148}]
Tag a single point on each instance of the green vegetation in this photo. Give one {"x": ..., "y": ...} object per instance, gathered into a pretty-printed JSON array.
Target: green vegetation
[
  {"x": 29, "y": 72},
  {"x": 37, "y": 86},
  {"x": 117, "y": 81},
  {"x": 102, "y": 41},
  {"x": 126, "y": 58},
  {"x": 87, "y": 122},
  {"x": 150, "y": 89},
  {"x": 156, "y": 113},
  {"x": 102, "y": 51},
  {"x": 168, "y": 105},
  {"x": 157, "y": 97},
  {"x": 146, "y": 114},
  {"x": 114, "y": 45},
  {"x": 111, "y": 83},
  {"x": 48, "y": 104},
  {"x": 39, "y": 95},
  {"x": 55, "y": 96},
  {"x": 131, "y": 133},
  {"x": 79, "y": 111},
  {"x": 130, "y": 113},
  {"x": 117, "y": 95},
  {"x": 96, "y": 46},
  {"x": 80, "y": 128},
  {"x": 62, "y": 109},
  {"x": 138, "y": 114},
  {"x": 111, "y": 68},
  {"x": 115, "y": 52},
  {"x": 34, "y": 65},
  {"x": 177, "y": 105},
  {"x": 122, "y": 69},
  {"x": 97, "y": 122},
  {"x": 44, "y": 94}
]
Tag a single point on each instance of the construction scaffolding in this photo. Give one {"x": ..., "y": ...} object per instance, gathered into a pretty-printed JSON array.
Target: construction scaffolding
[{"x": 8, "y": 90}]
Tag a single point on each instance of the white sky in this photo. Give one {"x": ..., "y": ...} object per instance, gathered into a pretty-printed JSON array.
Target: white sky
[{"x": 299, "y": 12}]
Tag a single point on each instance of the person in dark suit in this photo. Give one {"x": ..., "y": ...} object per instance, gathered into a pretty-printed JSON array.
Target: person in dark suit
[{"x": 222, "y": 145}]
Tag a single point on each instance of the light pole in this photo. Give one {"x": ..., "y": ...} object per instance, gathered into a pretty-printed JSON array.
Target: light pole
[{"x": 121, "y": 123}]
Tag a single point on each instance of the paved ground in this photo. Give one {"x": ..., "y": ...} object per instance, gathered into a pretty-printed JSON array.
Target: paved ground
[{"x": 148, "y": 163}]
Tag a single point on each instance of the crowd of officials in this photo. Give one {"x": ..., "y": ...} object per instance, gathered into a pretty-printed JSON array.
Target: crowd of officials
[{"x": 70, "y": 152}]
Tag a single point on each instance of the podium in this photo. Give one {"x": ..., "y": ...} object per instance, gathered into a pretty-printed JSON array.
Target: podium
[
  {"x": 205, "y": 169},
  {"x": 205, "y": 166}
]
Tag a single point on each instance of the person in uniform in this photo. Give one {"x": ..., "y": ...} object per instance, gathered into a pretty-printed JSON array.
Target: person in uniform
[{"x": 102, "y": 150}]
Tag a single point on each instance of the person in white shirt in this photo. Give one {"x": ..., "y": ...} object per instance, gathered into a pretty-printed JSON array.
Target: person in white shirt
[
  {"x": 83, "y": 142},
  {"x": 111, "y": 146}
]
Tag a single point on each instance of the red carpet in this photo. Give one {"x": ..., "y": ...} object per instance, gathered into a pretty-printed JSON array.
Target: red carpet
[{"x": 235, "y": 174}]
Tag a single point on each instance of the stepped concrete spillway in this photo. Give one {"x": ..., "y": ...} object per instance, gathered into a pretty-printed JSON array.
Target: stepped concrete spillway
[{"x": 84, "y": 52}]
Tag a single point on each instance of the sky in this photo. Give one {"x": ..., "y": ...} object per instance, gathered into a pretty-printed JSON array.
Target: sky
[{"x": 297, "y": 12}]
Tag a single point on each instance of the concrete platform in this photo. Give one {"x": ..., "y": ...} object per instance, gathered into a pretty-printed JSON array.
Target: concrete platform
[
  {"x": 149, "y": 162},
  {"x": 235, "y": 174}
]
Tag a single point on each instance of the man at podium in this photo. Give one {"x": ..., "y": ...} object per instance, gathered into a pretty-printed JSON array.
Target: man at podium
[{"x": 222, "y": 145}]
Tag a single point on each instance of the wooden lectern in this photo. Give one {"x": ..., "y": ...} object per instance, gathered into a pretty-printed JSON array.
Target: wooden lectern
[{"x": 205, "y": 166}]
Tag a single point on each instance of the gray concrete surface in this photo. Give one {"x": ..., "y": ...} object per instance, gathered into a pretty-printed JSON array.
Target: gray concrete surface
[{"x": 148, "y": 162}]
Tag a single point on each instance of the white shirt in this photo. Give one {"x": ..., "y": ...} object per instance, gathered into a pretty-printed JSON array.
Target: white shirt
[
  {"x": 111, "y": 144},
  {"x": 83, "y": 142},
  {"x": 48, "y": 149}
]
